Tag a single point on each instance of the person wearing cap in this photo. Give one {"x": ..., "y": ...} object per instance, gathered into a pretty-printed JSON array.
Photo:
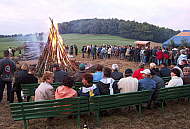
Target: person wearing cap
[
  {"x": 176, "y": 79},
  {"x": 137, "y": 74},
  {"x": 78, "y": 75},
  {"x": 58, "y": 73},
  {"x": 116, "y": 75},
  {"x": 147, "y": 83},
  {"x": 128, "y": 84},
  {"x": 182, "y": 56},
  {"x": 154, "y": 67}
]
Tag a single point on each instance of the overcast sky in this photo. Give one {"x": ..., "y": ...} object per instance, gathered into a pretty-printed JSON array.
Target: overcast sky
[{"x": 29, "y": 16}]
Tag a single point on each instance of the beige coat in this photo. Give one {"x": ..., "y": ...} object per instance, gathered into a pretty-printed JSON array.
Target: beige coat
[{"x": 44, "y": 92}]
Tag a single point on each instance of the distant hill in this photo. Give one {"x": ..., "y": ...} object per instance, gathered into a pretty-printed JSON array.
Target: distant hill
[{"x": 126, "y": 29}]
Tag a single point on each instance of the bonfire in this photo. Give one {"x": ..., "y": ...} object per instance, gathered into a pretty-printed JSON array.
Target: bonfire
[{"x": 54, "y": 53}]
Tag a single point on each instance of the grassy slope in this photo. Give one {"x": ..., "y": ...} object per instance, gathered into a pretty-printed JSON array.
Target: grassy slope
[
  {"x": 85, "y": 39},
  {"x": 5, "y": 43}
]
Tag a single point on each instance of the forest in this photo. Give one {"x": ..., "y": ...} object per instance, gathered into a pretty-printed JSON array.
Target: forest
[{"x": 126, "y": 29}]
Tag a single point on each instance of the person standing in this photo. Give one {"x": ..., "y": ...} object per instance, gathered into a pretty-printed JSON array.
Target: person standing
[{"x": 7, "y": 69}]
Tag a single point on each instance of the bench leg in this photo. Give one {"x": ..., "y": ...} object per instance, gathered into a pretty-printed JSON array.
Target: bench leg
[
  {"x": 163, "y": 105},
  {"x": 78, "y": 121},
  {"x": 98, "y": 118},
  {"x": 25, "y": 124}
]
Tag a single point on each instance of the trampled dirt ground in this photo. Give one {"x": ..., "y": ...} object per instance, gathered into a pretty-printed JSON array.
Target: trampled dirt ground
[{"x": 176, "y": 115}]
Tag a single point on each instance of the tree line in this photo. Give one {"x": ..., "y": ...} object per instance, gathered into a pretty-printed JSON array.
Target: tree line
[{"x": 126, "y": 29}]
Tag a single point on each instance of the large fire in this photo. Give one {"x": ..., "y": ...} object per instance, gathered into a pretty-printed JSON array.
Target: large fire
[{"x": 54, "y": 52}]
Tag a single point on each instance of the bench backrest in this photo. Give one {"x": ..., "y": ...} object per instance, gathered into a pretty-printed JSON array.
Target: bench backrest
[
  {"x": 119, "y": 100},
  {"x": 174, "y": 92},
  {"x": 49, "y": 108}
]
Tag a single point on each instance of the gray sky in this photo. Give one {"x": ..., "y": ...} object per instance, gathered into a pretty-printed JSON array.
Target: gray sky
[{"x": 29, "y": 16}]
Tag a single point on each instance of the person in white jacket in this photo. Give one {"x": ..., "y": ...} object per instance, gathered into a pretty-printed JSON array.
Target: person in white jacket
[{"x": 176, "y": 80}]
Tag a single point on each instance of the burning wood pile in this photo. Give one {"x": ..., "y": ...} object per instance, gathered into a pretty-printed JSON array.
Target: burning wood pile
[{"x": 54, "y": 53}]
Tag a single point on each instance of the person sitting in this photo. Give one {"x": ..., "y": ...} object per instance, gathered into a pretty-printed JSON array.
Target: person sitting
[
  {"x": 58, "y": 73},
  {"x": 98, "y": 75},
  {"x": 65, "y": 90},
  {"x": 173, "y": 65},
  {"x": 78, "y": 75},
  {"x": 137, "y": 74},
  {"x": 128, "y": 84},
  {"x": 107, "y": 85},
  {"x": 164, "y": 70},
  {"x": 45, "y": 90},
  {"x": 154, "y": 67},
  {"x": 147, "y": 83},
  {"x": 89, "y": 89},
  {"x": 116, "y": 75},
  {"x": 176, "y": 80},
  {"x": 186, "y": 78}
]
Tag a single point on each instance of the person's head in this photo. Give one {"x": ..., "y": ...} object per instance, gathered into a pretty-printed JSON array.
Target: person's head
[
  {"x": 107, "y": 72},
  {"x": 82, "y": 67},
  {"x": 175, "y": 72},
  {"x": 146, "y": 73},
  {"x": 141, "y": 65},
  {"x": 47, "y": 77},
  {"x": 24, "y": 67},
  {"x": 163, "y": 65},
  {"x": 6, "y": 53},
  {"x": 56, "y": 67},
  {"x": 99, "y": 67},
  {"x": 31, "y": 69},
  {"x": 183, "y": 62},
  {"x": 173, "y": 65},
  {"x": 87, "y": 79},
  {"x": 128, "y": 72},
  {"x": 68, "y": 81},
  {"x": 152, "y": 65},
  {"x": 186, "y": 71},
  {"x": 115, "y": 67}
]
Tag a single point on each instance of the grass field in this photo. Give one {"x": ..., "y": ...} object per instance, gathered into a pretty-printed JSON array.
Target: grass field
[{"x": 71, "y": 39}]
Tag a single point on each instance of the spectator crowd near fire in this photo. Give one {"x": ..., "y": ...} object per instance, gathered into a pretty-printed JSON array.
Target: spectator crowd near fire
[{"x": 174, "y": 63}]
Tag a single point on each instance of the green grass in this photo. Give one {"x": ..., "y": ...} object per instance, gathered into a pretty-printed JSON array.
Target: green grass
[
  {"x": 71, "y": 39},
  {"x": 86, "y": 39},
  {"x": 5, "y": 43}
]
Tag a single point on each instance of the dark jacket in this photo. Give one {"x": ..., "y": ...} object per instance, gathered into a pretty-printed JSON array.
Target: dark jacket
[
  {"x": 116, "y": 75},
  {"x": 86, "y": 91},
  {"x": 59, "y": 75},
  {"x": 104, "y": 86},
  {"x": 19, "y": 78},
  {"x": 7, "y": 69},
  {"x": 186, "y": 80},
  {"x": 165, "y": 72}
]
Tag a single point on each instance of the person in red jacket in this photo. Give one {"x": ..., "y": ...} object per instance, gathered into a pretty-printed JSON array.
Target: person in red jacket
[
  {"x": 159, "y": 56},
  {"x": 137, "y": 74},
  {"x": 166, "y": 56}
]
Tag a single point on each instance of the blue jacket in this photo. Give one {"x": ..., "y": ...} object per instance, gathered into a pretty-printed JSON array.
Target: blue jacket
[{"x": 147, "y": 84}]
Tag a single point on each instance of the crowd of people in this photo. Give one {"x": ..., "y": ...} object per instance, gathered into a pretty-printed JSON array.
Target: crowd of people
[
  {"x": 104, "y": 81},
  {"x": 141, "y": 54}
]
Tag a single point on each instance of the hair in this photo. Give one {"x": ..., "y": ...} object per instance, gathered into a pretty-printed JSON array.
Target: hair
[
  {"x": 6, "y": 53},
  {"x": 31, "y": 68},
  {"x": 176, "y": 72},
  {"x": 99, "y": 67},
  {"x": 164, "y": 64},
  {"x": 68, "y": 81},
  {"x": 141, "y": 65},
  {"x": 107, "y": 72},
  {"x": 47, "y": 75},
  {"x": 152, "y": 65},
  {"x": 24, "y": 67},
  {"x": 88, "y": 77}
]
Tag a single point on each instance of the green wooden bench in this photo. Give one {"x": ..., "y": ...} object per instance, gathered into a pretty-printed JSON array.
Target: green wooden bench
[
  {"x": 49, "y": 108},
  {"x": 173, "y": 93},
  {"x": 29, "y": 89},
  {"x": 105, "y": 102}
]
